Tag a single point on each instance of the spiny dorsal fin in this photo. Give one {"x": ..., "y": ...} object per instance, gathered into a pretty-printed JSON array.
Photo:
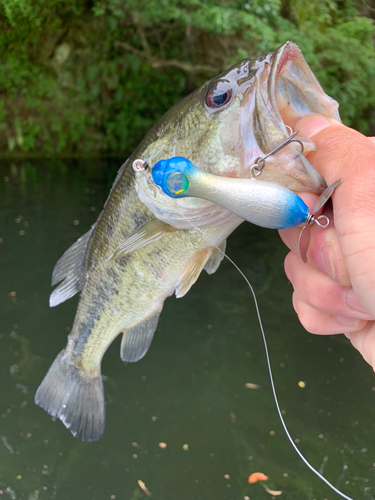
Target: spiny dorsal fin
[
  {"x": 149, "y": 232},
  {"x": 68, "y": 268},
  {"x": 216, "y": 257},
  {"x": 191, "y": 274},
  {"x": 71, "y": 258},
  {"x": 137, "y": 340},
  {"x": 68, "y": 288}
]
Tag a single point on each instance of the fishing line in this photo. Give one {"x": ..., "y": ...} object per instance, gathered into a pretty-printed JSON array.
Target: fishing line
[{"x": 299, "y": 453}]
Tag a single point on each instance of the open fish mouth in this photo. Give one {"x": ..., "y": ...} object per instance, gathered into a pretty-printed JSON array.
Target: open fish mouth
[
  {"x": 293, "y": 89},
  {"x": 286, "y": 91}
]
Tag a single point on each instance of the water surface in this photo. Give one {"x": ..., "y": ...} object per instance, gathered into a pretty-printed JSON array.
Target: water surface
[{"x": 189, "y": 391}]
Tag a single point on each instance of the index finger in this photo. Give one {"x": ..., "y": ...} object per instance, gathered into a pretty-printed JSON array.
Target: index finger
[{"x": 345, "y": 153}]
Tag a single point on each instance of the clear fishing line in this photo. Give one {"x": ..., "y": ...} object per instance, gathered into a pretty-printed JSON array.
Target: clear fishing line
[{"x": 299, "y": 453}]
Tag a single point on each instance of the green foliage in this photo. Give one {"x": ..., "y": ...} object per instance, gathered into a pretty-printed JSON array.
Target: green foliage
[{"x": 91, "y": 78}]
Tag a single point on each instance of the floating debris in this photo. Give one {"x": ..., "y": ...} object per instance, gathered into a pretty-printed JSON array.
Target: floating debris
[
  {"x": 76, "y": 222},
  {"x": 249, "y": 385},
  {"x": 162, "y": 445},
  {"x": 233, "y": 417},
  {"x": 143, "y": 487},
  {"x": 7, "y": 445},
  {"x": 226, "y": 476},
  {"x": 274, "y": 493},
  {"x": 185, "y": 447},
  {"x": 301, "y": 384},
  {"x": 255, "y": 477}
]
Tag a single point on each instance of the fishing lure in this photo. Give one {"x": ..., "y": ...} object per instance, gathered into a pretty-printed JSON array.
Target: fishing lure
[{"x": 263, "y": 203}]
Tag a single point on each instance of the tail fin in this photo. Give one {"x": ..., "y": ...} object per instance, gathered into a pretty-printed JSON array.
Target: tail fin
[{"x": 76, "y": 399}]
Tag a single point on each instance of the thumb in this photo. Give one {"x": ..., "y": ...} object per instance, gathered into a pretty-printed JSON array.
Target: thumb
[{"x": 344, "y": 153}]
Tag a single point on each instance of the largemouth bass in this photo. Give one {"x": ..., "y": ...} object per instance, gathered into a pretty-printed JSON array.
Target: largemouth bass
[{"x": 143, "y": 247}]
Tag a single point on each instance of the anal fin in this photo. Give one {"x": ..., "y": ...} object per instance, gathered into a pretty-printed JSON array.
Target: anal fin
[
  {"x": 191, "y": 274},
  {"x": 136, "y": 340}
]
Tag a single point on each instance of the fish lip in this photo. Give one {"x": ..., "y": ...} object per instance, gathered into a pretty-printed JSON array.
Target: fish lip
[
  {"x": 290, "y": 52},
  {"x": 293, "y": 97},
  {"x": 286, "y": 52}
]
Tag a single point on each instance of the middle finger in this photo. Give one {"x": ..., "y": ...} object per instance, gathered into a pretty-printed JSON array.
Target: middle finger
[{"x": 319, "y": 291}]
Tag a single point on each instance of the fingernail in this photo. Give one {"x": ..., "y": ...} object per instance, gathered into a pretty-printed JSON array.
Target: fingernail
[
  {"x": 311, "y": 126},
  {"x": 353, "y": 302},
  {"x": 346, "y": 321},
  {"x": 326, "y": 254}
]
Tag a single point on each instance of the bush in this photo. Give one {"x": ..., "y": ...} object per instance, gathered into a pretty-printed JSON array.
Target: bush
[{"x": 90, "y": 78}]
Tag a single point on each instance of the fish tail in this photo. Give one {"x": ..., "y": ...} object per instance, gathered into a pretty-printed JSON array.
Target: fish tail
[{"x": 74, "y": 397}]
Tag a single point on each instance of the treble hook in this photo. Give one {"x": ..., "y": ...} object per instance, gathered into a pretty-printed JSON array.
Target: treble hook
[{"x": 260, "y": 162}]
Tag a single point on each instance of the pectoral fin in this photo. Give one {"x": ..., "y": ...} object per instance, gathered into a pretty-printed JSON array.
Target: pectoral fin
[
  {"x": 151, "y": 231},
  {"x": 191, "y": 274},
  {"x": 216, "y": 257},
  {"x": 137, "y": 340}
]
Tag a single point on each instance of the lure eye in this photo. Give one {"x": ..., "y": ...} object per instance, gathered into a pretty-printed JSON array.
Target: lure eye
[{"x": 219, "y": 95}]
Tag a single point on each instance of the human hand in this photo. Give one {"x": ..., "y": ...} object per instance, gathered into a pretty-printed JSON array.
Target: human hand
[{"x": 334, "y": 292}]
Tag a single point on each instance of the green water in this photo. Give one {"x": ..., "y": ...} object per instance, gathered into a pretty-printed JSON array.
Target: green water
[{"x": 189, "y": 389}]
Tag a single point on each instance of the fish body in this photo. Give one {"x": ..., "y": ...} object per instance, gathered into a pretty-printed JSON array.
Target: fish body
[{"x": 146, "y": 246}]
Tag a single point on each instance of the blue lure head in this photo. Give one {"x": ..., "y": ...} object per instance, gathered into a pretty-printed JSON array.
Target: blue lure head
[{"x": 173, "y": 175}]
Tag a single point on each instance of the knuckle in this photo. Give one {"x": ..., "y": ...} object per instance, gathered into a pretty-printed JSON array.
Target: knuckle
[{"x": 308, "y": 317}]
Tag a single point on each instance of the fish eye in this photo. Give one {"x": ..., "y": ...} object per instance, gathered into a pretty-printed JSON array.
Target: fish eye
[{"x": 219, "y": 95}]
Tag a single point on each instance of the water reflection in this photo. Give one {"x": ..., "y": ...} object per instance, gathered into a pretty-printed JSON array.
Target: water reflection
[{"x": 189, "y": 391}]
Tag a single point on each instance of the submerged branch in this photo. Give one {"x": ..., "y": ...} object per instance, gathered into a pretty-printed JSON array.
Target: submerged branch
[{"x": 155, "y": 62}]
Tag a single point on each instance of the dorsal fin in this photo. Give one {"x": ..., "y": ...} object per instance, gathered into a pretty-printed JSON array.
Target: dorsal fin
[
  {"x": 68, "y": 268},
  {"x": 149, "y": 232},
  {"x": 137, "y": 340},
  {"x": 216, "y": 257},
  {"x": 191, "y": 274}
]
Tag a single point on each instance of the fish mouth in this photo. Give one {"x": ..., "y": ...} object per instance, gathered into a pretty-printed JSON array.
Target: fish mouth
[
  {"x": 288, "y": 91},
  {"x": 293, "y": 89}
]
